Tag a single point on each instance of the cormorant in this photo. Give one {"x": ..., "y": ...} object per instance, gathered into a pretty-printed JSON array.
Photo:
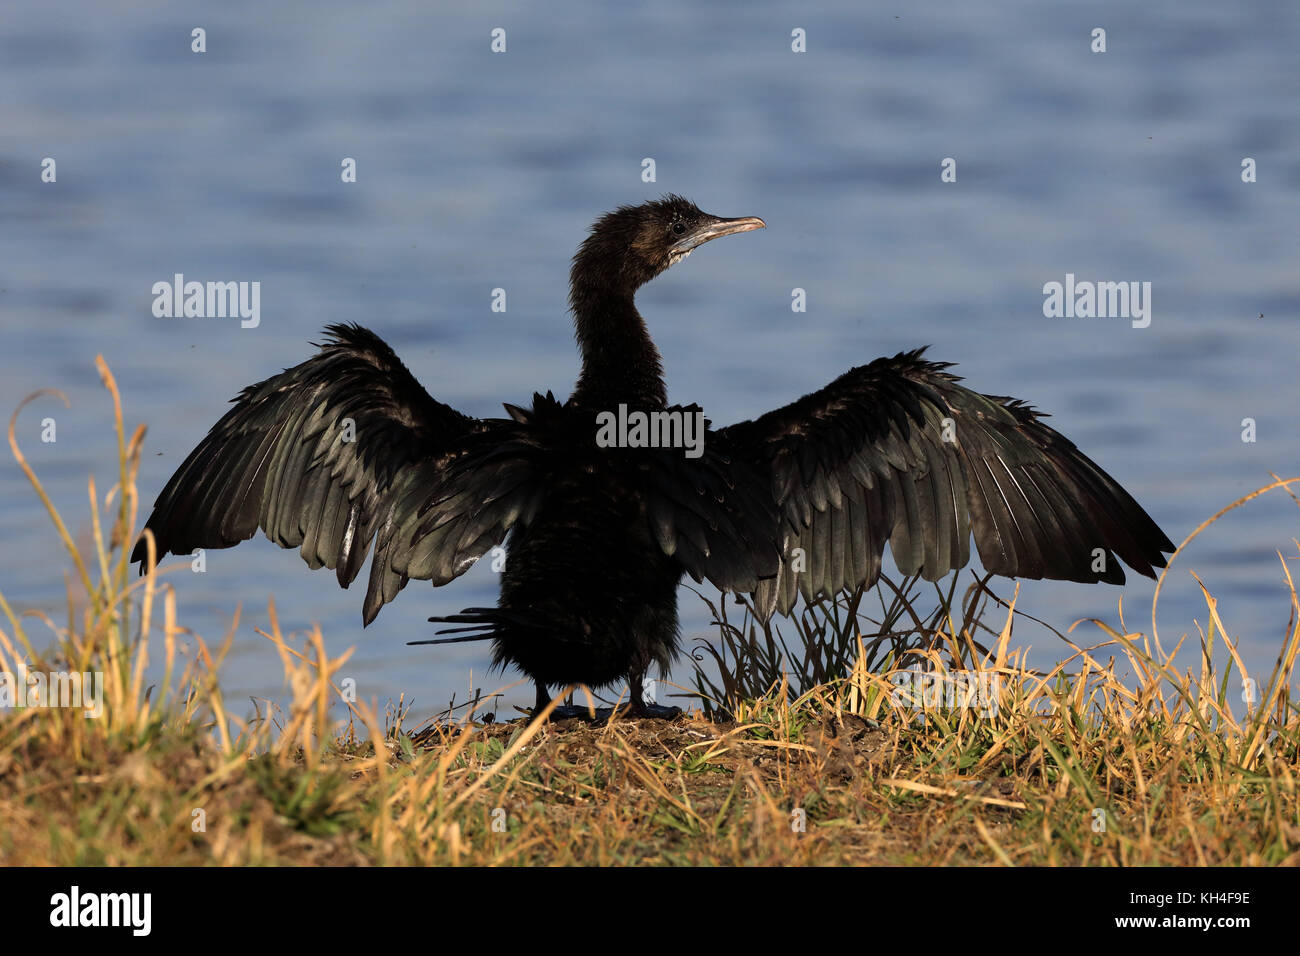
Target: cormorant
[{"x": 347, "y": 450}]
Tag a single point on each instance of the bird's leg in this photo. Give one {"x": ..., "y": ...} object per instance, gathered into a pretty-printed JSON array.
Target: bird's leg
[
  {"x": 637, "y": 707},
  {"x": 561, "y": 711}
]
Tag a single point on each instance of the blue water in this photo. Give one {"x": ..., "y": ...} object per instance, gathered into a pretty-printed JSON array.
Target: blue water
[{"x": 479, "y": 170}]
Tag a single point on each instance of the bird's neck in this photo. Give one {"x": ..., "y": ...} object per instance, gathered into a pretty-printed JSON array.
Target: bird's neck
[{"x": 620, "y": 363}]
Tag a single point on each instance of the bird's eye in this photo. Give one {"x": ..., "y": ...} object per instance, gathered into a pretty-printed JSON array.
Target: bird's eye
[{"x": 678, "y": 228}]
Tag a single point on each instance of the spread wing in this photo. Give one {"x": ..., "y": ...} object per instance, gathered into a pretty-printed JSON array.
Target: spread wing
[
  {"x": 896, "y": 451},
  {"x": 341, "y": 451}
]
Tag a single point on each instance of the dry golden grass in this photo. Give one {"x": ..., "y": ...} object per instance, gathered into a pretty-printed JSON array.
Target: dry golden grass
[{"x": 1078, "y": 765}]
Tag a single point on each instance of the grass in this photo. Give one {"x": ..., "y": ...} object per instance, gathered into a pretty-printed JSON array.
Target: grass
[{"x": 811, "y": 751}]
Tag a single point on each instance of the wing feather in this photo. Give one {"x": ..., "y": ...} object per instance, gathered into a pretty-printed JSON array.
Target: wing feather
[
  {"x": 344, "y": 451},
  {"x": 896, "y": 452}
]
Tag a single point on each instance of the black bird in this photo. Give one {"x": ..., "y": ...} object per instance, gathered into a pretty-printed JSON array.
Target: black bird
[{"x": 347, "y": 450}]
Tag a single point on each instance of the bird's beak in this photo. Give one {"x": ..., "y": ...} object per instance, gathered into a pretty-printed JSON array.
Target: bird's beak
[{"x": 714, "y": 229}]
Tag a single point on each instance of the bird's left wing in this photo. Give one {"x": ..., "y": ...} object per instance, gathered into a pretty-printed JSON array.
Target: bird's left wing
[{"x": 346, "y": 450}]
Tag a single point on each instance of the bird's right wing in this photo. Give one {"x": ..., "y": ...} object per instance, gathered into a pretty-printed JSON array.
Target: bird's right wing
[
  {"x": 896, "y": 451},
  {"x": 710, "y": 513},
  {"x": 341, "y": 451}
]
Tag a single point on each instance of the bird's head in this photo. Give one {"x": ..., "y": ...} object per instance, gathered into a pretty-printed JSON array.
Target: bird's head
[{"x": 631, "y": 245}]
